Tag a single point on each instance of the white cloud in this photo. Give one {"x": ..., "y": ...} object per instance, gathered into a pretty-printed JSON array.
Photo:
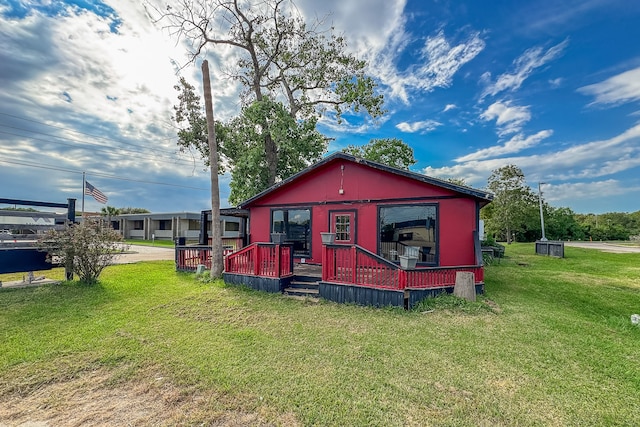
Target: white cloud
[
  {"x": 509, "y": 119},
  {"x": 584, "y": 161},
  {"x": 523, "y": 67},
  {"x": 556, "y": 83},
  {"x": 624, "y": 87},
  {"x": 586, "y": 190},
  {"x": 449, "y": 107},
  {"x": 438, "y": 64},
  {"x": 420, "y": 126},
  {"x": 514, "y": 145}
]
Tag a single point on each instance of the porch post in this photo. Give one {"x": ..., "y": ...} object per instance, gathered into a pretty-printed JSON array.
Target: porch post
[
  {"x": 257, "y": 261},
  {"x": 324, "y": 261},
  {"x": 354, "y": 259}
]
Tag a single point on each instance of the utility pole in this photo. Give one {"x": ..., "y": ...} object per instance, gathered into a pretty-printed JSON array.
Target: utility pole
[
  {"x": 544, "y": 238},
  {"x": 216, "y": 232}
]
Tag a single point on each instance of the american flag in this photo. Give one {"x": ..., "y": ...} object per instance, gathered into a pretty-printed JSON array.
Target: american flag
[{"x": 93, "y": 191}]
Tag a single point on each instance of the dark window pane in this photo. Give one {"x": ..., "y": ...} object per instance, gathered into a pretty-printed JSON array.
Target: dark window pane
[
  {"x": 343, "y": 228},
  {"x": 408, "y": 230},
  {"x": 296, "y": 225}
]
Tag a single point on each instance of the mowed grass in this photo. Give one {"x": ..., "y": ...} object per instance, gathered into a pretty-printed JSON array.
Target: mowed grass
[{"x": 550, "y": 344}]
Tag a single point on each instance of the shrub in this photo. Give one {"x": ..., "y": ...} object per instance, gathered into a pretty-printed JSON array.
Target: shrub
[{"x": 84, "y": 249}]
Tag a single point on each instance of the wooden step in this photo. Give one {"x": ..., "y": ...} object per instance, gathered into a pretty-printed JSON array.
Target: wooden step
[
  {"x": 302, "y": 285},
  {"x": 302, "y": 292}
]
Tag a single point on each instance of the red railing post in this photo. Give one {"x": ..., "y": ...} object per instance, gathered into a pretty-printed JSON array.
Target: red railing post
[
  {"x": 256, "y": 261},
  {"x": 402, "y": 279},
  {"x": 354, "y": 260},
  {"x": 324, "y": 262},
  {"x": 277, "y": 266}
]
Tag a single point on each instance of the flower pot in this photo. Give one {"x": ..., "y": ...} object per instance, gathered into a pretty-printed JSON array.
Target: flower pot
[
  {"x": 328, "y": 238},
  {"x": 278, "y": 238},
  {"x": 408, "y": 262}
]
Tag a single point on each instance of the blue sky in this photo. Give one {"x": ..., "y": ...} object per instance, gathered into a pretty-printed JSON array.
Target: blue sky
[{"x": 552, "y": 87}]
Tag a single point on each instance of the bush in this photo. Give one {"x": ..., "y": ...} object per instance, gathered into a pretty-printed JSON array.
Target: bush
[{"x": 84, "y": 249}]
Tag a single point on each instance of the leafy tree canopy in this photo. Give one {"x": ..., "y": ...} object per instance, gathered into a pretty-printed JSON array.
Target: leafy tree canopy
[
  {"x": 131, "y": 210},
  {"x": 292, "y": 75},
  {"x": 389, "y": 151},
  {"x": 512, "y": 203},
  {"x": 298, "y": 144}
]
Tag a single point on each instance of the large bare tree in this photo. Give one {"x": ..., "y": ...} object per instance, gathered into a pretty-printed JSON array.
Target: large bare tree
[{"x": 282, "y": 59}]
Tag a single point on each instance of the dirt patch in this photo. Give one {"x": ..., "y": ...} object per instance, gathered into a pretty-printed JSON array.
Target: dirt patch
[
  {"x": 493, "y": 306},
  {"x": 95, "y": 400}
]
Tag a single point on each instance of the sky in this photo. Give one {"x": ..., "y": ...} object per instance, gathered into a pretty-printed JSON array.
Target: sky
[{"x": 551, "y": 87}]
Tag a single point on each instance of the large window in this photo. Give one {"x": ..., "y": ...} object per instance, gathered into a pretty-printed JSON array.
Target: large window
[
  {"x": 296, "y": 225},
  {"x": 409, "y": 230}
]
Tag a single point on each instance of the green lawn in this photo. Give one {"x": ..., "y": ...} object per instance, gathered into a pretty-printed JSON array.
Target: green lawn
[{"x": 552, "y": 344}]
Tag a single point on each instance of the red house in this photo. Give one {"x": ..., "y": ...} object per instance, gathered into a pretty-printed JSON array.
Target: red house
[{"x": 378, "y": 216}]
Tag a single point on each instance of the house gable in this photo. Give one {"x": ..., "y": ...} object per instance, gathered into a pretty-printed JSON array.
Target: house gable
[{"x": 342, "y": 178}]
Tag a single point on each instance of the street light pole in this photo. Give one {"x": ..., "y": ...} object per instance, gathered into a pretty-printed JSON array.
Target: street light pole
[{"x": 544, "y": 238}]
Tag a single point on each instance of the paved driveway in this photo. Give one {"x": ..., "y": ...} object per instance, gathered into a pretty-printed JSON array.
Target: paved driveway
[
  {"x": 145, "y": 253},
  {"x": 605, "y": 247}
]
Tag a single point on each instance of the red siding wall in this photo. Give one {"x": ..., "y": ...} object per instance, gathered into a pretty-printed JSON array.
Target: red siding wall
[{"x": 364, "y": 190}]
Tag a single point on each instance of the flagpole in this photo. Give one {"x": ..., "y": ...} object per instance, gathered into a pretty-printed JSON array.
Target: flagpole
[{"x": 84, "y": 187}]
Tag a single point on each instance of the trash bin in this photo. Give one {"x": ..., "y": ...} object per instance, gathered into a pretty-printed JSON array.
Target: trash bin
[{"x": 180, "y": 241}]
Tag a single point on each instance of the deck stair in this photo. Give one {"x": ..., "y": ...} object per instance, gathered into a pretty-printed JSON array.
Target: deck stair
[{"x": 303, "y": 286}]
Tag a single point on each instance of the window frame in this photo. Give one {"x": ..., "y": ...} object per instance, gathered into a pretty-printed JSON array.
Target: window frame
[
  {"x": 309, "y": 242},
  {"x": 353, "y": 213},
  {"x": 436, "y": 261}
]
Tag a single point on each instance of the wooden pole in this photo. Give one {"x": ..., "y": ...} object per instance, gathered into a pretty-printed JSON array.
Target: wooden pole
[
  {"x": 216, "y": 232},
  {"x": 465, "y": 285}
]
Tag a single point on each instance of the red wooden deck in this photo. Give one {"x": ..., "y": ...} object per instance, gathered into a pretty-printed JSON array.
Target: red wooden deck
[{"x": 341, "y": 264}]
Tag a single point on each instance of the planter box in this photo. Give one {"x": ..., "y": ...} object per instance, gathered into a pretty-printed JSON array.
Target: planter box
[
  {"x": 328, "y": 238},
  {"x": 278, "y": 238},
  {"x": 408, "y": 262},
  {"x": 550, "y": 248}
]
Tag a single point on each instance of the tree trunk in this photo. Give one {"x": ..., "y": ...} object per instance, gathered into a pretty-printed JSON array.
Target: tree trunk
[
  {"x": 216, "y": 232},
  {"x": 271, "y": 155}
]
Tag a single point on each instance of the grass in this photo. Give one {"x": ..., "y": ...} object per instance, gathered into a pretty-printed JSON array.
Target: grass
[{"x": 551, "y": 343}]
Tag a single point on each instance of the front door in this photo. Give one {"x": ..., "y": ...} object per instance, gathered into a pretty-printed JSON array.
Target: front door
[{"x": 343, "y": 224}]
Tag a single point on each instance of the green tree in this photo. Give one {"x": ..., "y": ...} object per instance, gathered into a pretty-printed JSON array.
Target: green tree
[
  {"x": 561, "y": 224},
  {"x": 131, "y": 210},
  {"x": 297, "y": 141},
  {"x": 192, "y": 124},
  {"x": 84, "y": 249},
  {"x": 109, "y": 212},
  {"x": 307, "y": 69},
  {"x": 389, "y": 151},
  {"x": 512, "y": 205}
]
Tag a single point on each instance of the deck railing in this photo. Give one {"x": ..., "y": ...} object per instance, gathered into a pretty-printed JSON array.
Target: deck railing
[
  {"x": 189, "y": 257},
  {"x": 352, "y": 264},
  {"x": 261, "y": 259}
]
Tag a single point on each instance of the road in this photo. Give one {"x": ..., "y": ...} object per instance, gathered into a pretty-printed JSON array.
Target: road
[
  {"x": 137, "y": 253},
  {"x": 605, "y": 247}
]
